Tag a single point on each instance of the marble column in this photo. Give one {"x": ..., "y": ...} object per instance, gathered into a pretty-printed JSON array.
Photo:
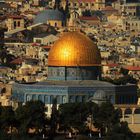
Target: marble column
[
  {"x": 133, "y": 118},
  {"x": 123, "y": 114}
]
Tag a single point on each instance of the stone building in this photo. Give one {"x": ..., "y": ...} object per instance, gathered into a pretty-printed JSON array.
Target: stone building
[{"x": 15, "y": 22}]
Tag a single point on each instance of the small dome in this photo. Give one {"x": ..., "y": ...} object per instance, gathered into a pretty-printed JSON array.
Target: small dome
[
  {"x": 74, "y": 49},
  {"x": 49, "y": 14}
]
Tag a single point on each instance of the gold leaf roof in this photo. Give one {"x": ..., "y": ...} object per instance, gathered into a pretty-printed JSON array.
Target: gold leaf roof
[{"x": 74, "y": 49}]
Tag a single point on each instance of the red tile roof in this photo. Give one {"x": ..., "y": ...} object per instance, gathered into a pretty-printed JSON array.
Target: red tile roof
[
  {"x": 46, "y": 47},
  {"x": 16, "y": 16},
  {"x": 132, "y": 68},
  {"x": 89, "y": 18},
  {"x": 35, "y": 44},
  {"x": 86, "y": 1},
  {"x": 112, "y": 65},
  {"x": 17, "y": 61},
  {"x": 109, "y": 8}
]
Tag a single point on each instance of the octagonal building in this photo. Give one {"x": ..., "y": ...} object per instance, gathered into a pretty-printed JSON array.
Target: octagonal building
[{"x": 74, "y": 72}]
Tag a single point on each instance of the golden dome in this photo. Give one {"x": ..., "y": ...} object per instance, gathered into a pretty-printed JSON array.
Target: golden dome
[{"x": 74, "y": 49}]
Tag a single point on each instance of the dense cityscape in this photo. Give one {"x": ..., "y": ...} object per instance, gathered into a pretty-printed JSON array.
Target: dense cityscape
[{"x": 69, "y": 69}]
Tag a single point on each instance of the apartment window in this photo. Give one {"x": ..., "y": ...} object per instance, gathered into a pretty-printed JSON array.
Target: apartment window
[
  {"x": 14, "y": 24},
  {"x": 38, "y": 41},
  {"x": 134, "y": 13},
  {"x": 18, "y": 23},
  {"x": 55, "y": 24}
]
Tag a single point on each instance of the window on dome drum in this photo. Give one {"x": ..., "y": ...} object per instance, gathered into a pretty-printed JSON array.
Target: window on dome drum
[
  {"x": 58, "y": 72},
  {"x": 86, "y": 4},
  {"x": 92, "y": 4}
]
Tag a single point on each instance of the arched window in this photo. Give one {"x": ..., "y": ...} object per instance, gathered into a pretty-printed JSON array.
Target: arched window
[
  {"x": 58, "y": 99},
  {"x": 83, "y": 99},
  {"x": 64, "y": 99},
  {"x": 46, "y": 99},
  {"x": 28, "y": 98},
  {"x": 71, "y": 99},
  {"x": 51, "y": 99},
  {"x": 40, "y": 98},
  {"x": 34, "y": 97},
  {"x": 77, "y": 99}
]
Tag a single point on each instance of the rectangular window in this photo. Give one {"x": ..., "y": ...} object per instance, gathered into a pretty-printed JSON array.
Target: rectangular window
[
  {"x": 18, "y": 23},
  {"x": 38, "y": 41},
  {"x": 15, "y": 24}
]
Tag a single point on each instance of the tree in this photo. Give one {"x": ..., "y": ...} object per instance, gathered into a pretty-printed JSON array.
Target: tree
[
  {"x": 120, "y": 131},
  {"x": 54, "y": 120},
  {"x": 124, "y": 71},
  {"x": 7, "y": 119},
  {"x": 74, "y": 115},
  {"x": 57, "y": 4},
  {"x": 67, "y": 12},
  {"x": 124, "y": 80},
  {"x": 31, "y": 115},
  {"x": 106, "y": 117}
]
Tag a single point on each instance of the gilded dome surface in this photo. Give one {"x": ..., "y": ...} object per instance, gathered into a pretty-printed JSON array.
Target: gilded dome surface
[{"x": 74, "y": 49}]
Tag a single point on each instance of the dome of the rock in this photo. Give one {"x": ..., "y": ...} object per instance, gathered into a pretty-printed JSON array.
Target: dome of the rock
[{"x": 74, "y": 49}]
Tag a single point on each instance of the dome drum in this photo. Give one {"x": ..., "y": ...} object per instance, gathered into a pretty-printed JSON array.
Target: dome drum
[
  {"x": 74, "y": 73},
  {"x": 74, "y": 57}
]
